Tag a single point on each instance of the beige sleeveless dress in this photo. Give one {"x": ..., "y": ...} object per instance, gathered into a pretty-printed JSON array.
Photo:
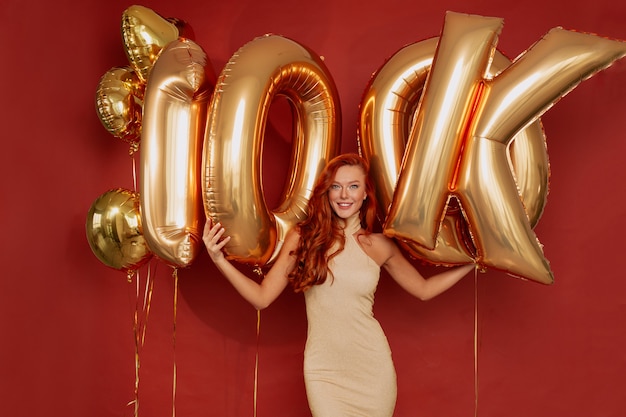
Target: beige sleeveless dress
[{"x": 348, "y": 369}]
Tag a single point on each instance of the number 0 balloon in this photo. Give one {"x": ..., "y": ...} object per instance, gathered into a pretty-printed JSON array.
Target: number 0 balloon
[{"x": 233, "y": 192}]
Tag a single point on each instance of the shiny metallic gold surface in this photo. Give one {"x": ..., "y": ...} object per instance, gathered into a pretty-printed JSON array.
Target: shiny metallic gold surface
[{"x": 267, "y": 66}]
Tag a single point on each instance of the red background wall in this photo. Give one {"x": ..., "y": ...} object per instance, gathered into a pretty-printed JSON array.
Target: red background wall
[{"x": 66, "y": 319}]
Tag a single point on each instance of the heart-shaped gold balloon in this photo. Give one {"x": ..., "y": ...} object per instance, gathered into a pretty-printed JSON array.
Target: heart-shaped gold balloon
[{"x": 145, "y": 33}]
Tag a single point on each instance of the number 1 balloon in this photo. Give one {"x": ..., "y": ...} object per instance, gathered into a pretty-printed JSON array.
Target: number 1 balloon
[{"x": 174, "y": 115}]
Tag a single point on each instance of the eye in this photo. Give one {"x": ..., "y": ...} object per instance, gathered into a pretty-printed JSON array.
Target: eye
[
  {"x": 354, "y": 186},
  {"x": 334, "y": 187}
]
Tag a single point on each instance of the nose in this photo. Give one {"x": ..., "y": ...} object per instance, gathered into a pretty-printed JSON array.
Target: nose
[{"x": 344, "y": 192}]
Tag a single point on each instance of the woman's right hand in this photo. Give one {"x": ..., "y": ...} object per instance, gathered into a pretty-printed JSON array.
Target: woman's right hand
[{"x": 212, "y": 237}]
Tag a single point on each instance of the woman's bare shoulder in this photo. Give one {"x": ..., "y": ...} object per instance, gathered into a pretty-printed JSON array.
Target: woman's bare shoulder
[
  {"x": 378, "y": 246},
  {"x": 381, "y": 240},
  {"x": 292, "y": 238},
  {"x": 293, "y": 234}
]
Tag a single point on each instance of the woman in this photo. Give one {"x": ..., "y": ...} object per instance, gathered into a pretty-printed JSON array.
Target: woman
[{"x": 334, "y": 259}]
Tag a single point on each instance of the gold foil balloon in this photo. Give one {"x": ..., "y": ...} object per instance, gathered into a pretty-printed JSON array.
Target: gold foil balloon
[
  {"x": 145, "y": 33},
  {"x": 267, "y": 66},
  {"x": 386, "y": 115},
  {"x": 461, "y": 139},
  {"x": 430, "y": 159},
  {"x": 525, "y": 90},
  {"x": 174, "y": 117},
  {"x": 387, "y": 110},
  {"x": 114, "y": 230},
  {"x": 118, "y": 103}
]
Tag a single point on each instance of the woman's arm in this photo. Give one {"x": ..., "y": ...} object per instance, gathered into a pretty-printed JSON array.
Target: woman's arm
[
  {"x": 409, "y": 278},
  {"x": 262, "y": 294}
]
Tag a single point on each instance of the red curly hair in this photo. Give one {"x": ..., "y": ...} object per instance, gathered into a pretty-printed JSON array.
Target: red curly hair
[{"x": 322, "y": 228}]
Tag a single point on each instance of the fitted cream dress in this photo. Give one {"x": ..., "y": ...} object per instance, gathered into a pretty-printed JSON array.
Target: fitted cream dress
[{"x": 348, "y": 369}]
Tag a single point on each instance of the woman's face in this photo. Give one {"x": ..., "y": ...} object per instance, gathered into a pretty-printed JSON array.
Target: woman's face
[{"x": 347, "y": 192}]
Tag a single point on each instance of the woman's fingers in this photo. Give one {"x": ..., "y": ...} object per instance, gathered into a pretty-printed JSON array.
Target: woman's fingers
[
  {"x": 218, "y": 235},
  {"x": 210, "y": 230},
  {"x": 213, "y": 240}
]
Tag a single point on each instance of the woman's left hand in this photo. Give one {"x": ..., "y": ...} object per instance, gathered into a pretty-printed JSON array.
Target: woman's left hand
[{"x": 212, "y": 237}]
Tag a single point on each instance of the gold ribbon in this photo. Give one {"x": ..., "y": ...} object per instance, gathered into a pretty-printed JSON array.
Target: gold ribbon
[
  {"x": 140, "y": 322},
  {"x": 476, "y": 342},
  {"x": 175, "y": 275},
  {"x": 256, "y": 359}
]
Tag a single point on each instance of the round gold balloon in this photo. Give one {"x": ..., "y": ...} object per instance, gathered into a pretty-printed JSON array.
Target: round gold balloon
[
  {"x": 174, "y": 116},
  {"x": 233, "y": 194},
  {"x": 118, "y": 103},
  {"x": 114, "y": 230},
  {"x": 145, "y": 33}
]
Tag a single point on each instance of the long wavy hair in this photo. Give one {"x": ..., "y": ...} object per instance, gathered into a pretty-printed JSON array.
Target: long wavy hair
[{"x": 322, "y": 228}]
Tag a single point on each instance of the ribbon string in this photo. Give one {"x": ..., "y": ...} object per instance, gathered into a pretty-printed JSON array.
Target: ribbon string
[
  {"x": 175, "y": 275},
  {"x": 476, "y": 342},
  {"x": 143, "y": 300},
  {"x": 256, "y": 360},
  {"x": 134, "y": 173}
]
